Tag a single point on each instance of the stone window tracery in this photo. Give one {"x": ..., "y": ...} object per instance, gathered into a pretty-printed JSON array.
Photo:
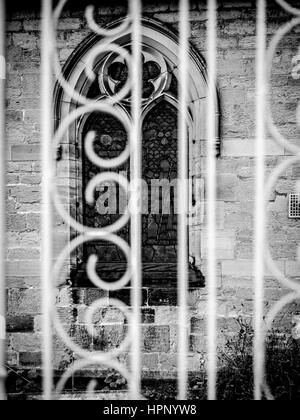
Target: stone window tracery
[
  {"x": 160, "y": 93},
  {"x": 157, "y": 76},
  {"x": 159, "y": 156}
]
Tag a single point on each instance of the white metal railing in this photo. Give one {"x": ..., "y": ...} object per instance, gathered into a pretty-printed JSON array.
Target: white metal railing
[
  {"x": 260, "y": 209},
  {"x": 52, "y": 200},
  {"x": 211, "y": 176},
  {"x": 134, "y": 254},
  {"x": 132, "y": 341},
  {"x": 2, "y": 201},
  {"x": 264, "y": 74},
  {"x": 136, "y": 194},
  {"x": 183, "y": 202},
  {"x": 47, "y": 180}
]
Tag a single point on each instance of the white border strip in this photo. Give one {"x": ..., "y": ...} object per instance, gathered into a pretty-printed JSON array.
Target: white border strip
[
  {"x": 47, "y": 179},
  {"x": 211, "y": 201},
  {"x": 136, "y": 198},
  {"x": 2, "y": 202},
  {"x": 183, "y": 202},
  {"x": 260, "y": 210}
]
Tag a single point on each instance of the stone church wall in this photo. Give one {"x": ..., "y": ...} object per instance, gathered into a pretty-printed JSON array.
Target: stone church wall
[{"x": 236, "y": 169}]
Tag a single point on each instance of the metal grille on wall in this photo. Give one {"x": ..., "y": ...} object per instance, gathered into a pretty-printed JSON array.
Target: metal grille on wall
[
  {"x": 133, "y": 151},
  {"x": 294, "y": 206}
]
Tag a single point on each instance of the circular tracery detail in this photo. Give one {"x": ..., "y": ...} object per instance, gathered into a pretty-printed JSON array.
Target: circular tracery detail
[{"x": 113, "y": 75}]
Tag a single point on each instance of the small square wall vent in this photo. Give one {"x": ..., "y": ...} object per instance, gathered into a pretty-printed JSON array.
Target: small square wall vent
[{"x": 294, "y": 206}]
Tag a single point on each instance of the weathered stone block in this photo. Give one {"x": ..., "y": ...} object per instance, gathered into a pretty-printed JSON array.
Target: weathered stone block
[
  {"x": 62, "y": 360},
  {"x": 14, "y": 26},
  {"x": 226, "y": 184},
  {"x": 107, "y": 315},
  {"x": 25, "y": 342},
  {"x": 32, "y": 116},
  {"x": 239, "y": 27},
  {"x": 25, "y": 194},
  {"x": 33, "y": 221},
  {"x": 21, "y": 103},
  {"x": 108, "y": 337},
  {"x": 66, "y": 24},
  {"x": 166, "y": 315},
  {"x": 198, "y": 325},
  {"x": 12, "y": 179},
  {"x": 239, "y": 148},
  {"x": 67, "y": 315},
  {"x": 148, "y": 315},
  {"x": 156, "y": 339},
  {"x": 25, "y": 40},
  {"x": 168, "y": 362},
  {"x": 23, "y": 282},
  {"x": 25, "y": 153},
  {"x": 34, "y": 179},
  {"x": 14, "y": 54},
  {"x": 150, "y": 361},
  {"x": 196, "y": 363},
  {"x": 12, "y": 358},
  {"x": 125, "y": 296},
  {"x": 15, "y": 168},
  {"x": 71, "y": 39},
  {"x": 235, "y": 268},
  {"x": 16, "y": 222},
  {"x": 22, "y": 323},
  {"x": 66, "y": 297},
  {"x": 225, "y": 245},
  {"x": 198, "y": 343},
  {"x": 32, "y": 25},
  {"x": 228, "y": 324},
  {"x": 24, "y": 239},
  {"x": 166, "y": 297},
  {"x": 13, "y": 118},
  {"x": 23, "y": 268},
  {"x": 238, "y": 216},
  {"x": 24, "y": 301},
  {"x": 81, "y": 337},
  {"x": 31, "y": 359},
  {"x": 92, "y": 295},
  {"x": 31, "y": 83},
  {"x": 292, "y": 268}
]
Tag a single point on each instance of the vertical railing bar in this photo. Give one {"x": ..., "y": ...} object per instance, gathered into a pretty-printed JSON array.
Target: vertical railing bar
[
  {"x": 47, "y": 179},
  {"x": 260, "y": 211},
  {"x": 211, "y": 202},
  {"x": 2, "y": 201},
  {"x": 183, "y": 202},
  {"x": 136, "y": 198}
]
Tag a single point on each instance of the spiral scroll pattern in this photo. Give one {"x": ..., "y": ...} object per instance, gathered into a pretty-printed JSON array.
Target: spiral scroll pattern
[{"x": 109, "y": 234}]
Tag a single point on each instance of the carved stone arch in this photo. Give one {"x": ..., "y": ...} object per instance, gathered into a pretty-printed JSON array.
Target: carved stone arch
[
  {"x": 167, "y": 98},
  {"x": 157, "y": 37}
]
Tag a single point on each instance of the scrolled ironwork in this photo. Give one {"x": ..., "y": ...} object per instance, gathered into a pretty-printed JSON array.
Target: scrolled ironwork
[
  {"x": 85, "y": 234},
  {"x": 104, "y": 47}
]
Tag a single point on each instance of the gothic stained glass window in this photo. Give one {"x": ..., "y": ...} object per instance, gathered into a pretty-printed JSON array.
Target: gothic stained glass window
[
  {"x": 160, "y": 163},
  {"x": 159, "y": 148}
]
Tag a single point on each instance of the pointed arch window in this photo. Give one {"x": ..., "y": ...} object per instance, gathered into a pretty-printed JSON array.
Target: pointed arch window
[{"x": 160, "y": 148}]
